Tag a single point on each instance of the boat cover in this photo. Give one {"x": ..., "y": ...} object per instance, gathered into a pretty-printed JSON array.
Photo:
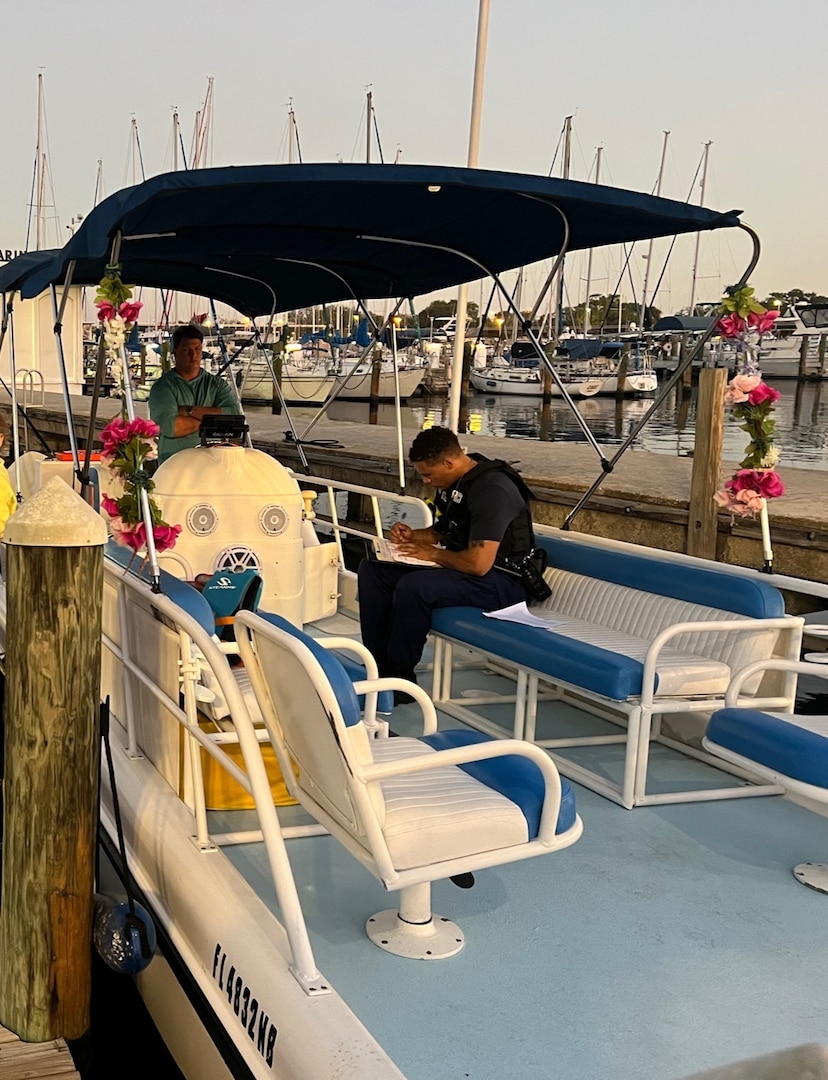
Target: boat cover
[{"x": 266, "y": 238}]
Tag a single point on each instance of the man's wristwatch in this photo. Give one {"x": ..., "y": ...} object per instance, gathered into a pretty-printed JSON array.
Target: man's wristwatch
[{"x": 188, "y": 410}]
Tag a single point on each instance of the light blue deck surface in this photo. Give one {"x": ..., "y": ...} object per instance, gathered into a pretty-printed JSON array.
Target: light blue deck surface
[{"x": 667, "y": 940}]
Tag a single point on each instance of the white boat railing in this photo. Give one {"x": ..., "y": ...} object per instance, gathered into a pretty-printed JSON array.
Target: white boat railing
[
  {"x": 382, "y": 506},
  {"x": 196, "y": 648}
]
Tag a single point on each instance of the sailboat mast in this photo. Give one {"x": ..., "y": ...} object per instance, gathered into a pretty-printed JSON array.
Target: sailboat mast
[
  {"x": 369, "y": 116},
  {"x": 599, "y": 150},
  {"x": 706, "y": 157},
  {"x": 41, "y": 170},
  {"x": 559, "y": 284},
  {"x": 291, "y": 133},
  {"x": 649, "y": 256}
]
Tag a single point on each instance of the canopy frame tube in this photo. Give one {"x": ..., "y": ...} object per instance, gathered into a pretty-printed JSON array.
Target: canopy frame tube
[{"x": 667, "y": 388}]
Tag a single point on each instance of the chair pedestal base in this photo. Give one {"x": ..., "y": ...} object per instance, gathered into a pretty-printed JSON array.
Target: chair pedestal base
[
  {"x": 814, "y": 875},
  {"x": 434, "y": 940}
]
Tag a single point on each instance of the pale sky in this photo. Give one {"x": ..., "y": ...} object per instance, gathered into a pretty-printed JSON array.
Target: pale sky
[{"x": 749, "y": 78}]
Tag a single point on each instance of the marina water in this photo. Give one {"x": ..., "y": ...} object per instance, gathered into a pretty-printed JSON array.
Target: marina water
[{"x": 801, "y": 416}]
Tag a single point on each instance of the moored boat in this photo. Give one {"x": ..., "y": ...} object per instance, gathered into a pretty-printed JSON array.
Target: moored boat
[{"x": 253, "y": 904}]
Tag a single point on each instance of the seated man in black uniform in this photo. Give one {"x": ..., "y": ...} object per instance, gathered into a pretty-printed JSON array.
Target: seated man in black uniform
[{"x": 482, "y": 516}]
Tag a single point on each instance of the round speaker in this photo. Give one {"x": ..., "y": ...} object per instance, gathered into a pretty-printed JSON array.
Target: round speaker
[
  {"x": 202, "y": 519},
  {"x": 274, "y": 520}
]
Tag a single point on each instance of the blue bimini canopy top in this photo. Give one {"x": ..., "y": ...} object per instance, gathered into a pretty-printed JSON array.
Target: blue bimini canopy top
[{"x": 267, "y": 238}]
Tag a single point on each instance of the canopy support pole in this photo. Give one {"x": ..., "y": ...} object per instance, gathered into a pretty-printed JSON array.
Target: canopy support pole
[
  {"x": 8, "y": 324},
  {"x": 582, "y": 424},
  {"x": 58, "y": 312},
  {"x": 337, "y": 390},
  {"x": 129, "y": 404},
  {"x": 671, "y": 383}
]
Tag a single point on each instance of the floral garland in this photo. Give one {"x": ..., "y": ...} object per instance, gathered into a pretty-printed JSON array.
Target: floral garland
[
  {"x": 127, "y": 446},
  {"x": 117, "y": 313},
  {"x": 744, "y": 321},
  {"x": 755, "y": 480}
]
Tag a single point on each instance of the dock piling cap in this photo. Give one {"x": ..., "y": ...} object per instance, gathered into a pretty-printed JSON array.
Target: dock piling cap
[{"x": 55, "y": 516}]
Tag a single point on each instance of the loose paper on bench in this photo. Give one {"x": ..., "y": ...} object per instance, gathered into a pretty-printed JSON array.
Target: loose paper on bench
[{"x": 520, "y": 613}]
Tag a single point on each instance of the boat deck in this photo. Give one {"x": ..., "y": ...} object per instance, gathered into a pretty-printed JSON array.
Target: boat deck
[{"x": 668, "y": 940}]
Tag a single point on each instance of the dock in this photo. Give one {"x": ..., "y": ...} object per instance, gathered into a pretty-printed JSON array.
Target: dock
[
  {"x": 644, "y": 500},
  {"x": 33, "y": 1061}
]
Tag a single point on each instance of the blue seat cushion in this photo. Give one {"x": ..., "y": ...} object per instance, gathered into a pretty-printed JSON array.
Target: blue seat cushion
[
  {"x": 356, "y": 673},
  {"x": 518, "y": 778},
  {"x": 576, "y": 662},
  {"x": 335, "y": 673},
  {"x": 187, "y": 596},
  {"x": 698, "y": 584},
  {"x": 772, "y": 742}
]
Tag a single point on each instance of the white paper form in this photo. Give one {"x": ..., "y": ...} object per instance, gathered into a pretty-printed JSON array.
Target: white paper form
[
  {"x": 520, "y": 613},
  {"x": 387, "y": 552}
]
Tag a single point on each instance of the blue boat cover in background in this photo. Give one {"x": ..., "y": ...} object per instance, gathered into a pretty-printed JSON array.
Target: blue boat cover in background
[{"x": 266, "y": 238}]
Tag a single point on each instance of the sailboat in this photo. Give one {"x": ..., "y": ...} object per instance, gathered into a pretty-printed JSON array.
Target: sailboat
[{"x": 273, "y": 959}]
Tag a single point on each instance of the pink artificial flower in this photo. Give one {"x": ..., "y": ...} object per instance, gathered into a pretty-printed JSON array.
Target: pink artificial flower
[
  {"x": 129, "y": 311},
  {"x": 762, "y": 394},
  {"x": 165, "y": 536},
  {"x": 762, "y": 322},
  {"x": 731, "y": 326},
  {"x": 147, "y": 429},
  {"x": 105, "y": 311},
  {"x": 110, "y": 506},
  {"x": 119, "y": 431},
  {"x": 134, "y": 536},
  {"x": 740, "y": 387},
  {"x": 765, "y": 482},
  {"x": 739, "y": 503}
]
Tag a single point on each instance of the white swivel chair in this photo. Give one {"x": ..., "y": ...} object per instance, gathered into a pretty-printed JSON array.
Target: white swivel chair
[
  {"x": 411, "y": 810},
  {"x": 788, "y": 749}
]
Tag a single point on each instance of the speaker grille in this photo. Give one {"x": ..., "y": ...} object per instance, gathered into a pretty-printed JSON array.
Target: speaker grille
[
  {"x": 274, "y": 520},
  {"x": 238, "y": 559},
  {"x": 202, "y": 519}
]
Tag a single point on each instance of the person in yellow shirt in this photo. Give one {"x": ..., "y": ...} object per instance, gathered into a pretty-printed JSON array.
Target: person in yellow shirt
[{"x": 8, "y": 499}]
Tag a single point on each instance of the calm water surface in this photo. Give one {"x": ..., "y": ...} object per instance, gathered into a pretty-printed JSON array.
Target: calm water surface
[{"x": 801, "y": 421}]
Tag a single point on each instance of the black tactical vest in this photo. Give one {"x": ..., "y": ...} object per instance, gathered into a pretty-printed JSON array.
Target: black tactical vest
[{"x": 455, "y": 519}]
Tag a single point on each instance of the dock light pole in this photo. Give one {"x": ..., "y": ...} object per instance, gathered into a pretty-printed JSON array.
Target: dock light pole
[{"x": 456, "y": 384}]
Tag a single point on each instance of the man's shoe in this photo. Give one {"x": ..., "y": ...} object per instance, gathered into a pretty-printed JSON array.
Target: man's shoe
[{"x": 402, "y": 698}]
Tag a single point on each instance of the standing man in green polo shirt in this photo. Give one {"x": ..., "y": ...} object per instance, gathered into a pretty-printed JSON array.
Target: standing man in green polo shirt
[{"x": 185, "y": 394}]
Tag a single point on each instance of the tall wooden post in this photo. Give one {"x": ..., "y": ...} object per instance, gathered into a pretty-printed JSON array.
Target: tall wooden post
[
  {"x": 621, "y": 371},
  {"x": 276, "y": 400},
  {"x": 52, "y": 747},
  {"x": 823, "y": 358},
  {"x": 376, "y": 369},
  {"x": 707, "y": 463},
  {"x": 803, "y": 356}
]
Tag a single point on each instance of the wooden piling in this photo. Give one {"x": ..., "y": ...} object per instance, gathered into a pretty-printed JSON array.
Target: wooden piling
[
  {"x": 53, "y": 661},
  {"x": 621, "y": 373},
  {"x": 702, "y": 525},
  {"x": 276, "y": 400},
  {"x": 803, "y": 356},
  {"x": 823, "y": 359},
  {"x": 687, "y": 374},
  {"x": 376, "y": 370}
]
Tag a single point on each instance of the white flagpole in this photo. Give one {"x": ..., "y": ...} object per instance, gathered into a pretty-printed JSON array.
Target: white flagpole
[{"x": 456, "y": 383}]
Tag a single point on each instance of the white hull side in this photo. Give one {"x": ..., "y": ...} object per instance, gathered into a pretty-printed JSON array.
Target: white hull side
[
  {"x": 491, "y": 381},
  {"x": 306, "y": 388},
  {"x": 303, "y": 1038}
]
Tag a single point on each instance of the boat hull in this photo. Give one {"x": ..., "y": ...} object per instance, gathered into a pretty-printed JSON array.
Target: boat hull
[
  {"x": 308, "y": 388},
  {"x": 236, "y": 955},
  {"x": 527, "y": 384}
]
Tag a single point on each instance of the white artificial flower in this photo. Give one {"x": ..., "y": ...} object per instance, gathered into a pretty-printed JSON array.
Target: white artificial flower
[{"x": 771, "y": 458}]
